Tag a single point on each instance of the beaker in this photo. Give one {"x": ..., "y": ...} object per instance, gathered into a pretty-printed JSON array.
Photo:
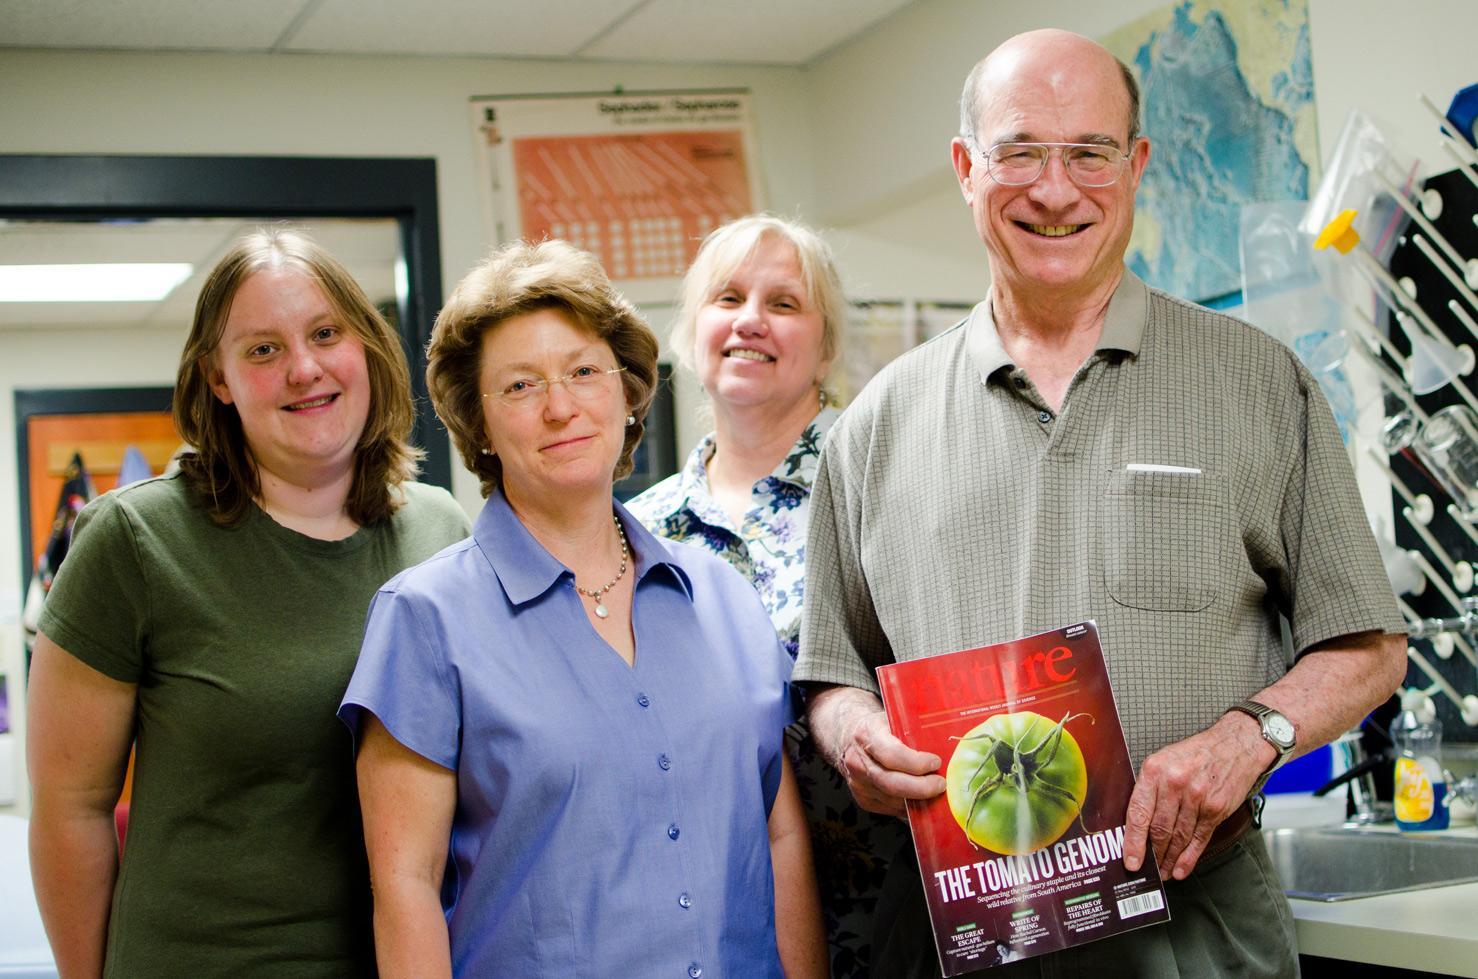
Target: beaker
[
  {"x": 1448, "y": 446},
  {"x": 1391, "y": 395}
]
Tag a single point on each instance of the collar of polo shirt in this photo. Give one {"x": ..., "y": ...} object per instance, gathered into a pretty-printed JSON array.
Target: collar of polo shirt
[{"x": 1123, "y": 327}]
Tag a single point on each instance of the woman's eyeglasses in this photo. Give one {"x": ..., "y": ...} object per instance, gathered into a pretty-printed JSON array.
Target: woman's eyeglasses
[{"x": 584, "y": 383}]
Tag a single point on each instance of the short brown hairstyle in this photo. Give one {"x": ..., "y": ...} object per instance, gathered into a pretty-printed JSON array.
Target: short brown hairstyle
[
  {"x": 523, "y": 278},
  {"x": 219, "y": 464}
]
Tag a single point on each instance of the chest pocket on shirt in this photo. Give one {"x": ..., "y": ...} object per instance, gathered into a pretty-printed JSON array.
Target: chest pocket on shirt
[{"x": 1164, "y": 538}]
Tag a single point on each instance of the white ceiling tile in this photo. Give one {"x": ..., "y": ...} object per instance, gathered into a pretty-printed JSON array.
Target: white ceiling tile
[
  {"x": 146, "y": 24},
  {"x": 766, "y": 31},
  {"x": 761, "y": 31},
  {"x": 510, "y": 28}
]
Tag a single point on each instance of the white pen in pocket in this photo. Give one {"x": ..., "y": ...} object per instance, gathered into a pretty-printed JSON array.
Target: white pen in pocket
[{"x": 1145, "y": 467}]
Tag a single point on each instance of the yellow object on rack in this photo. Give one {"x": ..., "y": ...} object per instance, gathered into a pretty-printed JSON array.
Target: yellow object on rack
[{"x": 1340, "y": 233}]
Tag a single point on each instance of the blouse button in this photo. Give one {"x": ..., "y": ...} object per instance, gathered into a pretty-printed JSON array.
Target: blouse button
[
  {"x": 673, "y": 832},
  {"x": 695, "y": 971},
  {"x": 644, "y": 700},
  {"x": 684, "y": 901},
  {"x": 663, "y": 762}
]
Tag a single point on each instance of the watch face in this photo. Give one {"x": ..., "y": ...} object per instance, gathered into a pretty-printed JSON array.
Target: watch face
[{"x": 1279, "y": 728}]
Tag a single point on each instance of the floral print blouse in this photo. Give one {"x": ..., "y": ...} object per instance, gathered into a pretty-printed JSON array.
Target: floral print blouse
[{"x": 769, "y": 548}]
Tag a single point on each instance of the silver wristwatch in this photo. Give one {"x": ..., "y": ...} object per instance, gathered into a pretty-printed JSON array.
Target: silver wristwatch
[{"x": 1277, "y": 731}]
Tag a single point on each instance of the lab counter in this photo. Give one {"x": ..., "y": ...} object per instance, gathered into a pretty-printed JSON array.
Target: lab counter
[
  {"x": 1429, "y": 930},
  {"x": 1432, "y": 930}
]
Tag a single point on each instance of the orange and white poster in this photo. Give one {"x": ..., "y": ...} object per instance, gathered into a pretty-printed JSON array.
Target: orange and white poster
[{"x": 636, "y": 178}]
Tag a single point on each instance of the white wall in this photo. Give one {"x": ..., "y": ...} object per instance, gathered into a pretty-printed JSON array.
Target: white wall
[{"x": 1378, "y": 56}]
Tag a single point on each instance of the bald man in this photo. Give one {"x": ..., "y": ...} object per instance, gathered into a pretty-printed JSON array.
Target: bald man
[{"x": 1084, "y": 447}]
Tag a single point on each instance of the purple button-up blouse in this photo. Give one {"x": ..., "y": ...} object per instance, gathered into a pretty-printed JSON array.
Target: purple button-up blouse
[{"x": 610, "y": 820}]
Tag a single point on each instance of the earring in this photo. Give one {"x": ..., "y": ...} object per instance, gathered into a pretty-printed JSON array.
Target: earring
[
  {"x": 487, "y": 452},
  {"x": 630, "y": 420}
]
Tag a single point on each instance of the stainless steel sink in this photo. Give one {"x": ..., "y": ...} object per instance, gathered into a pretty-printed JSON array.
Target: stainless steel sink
[{"x": 1338, "y": 864}]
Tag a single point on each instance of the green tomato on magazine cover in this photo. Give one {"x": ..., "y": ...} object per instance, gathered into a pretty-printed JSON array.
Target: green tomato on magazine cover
[{"x": 1016, "y": 781}]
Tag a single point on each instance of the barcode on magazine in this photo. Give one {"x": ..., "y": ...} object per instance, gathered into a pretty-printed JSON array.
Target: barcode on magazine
[{"x": 1141, "y": 904}]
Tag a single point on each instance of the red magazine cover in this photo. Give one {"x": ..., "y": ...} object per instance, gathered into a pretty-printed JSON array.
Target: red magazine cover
[{"x": 1024, "y": 852}]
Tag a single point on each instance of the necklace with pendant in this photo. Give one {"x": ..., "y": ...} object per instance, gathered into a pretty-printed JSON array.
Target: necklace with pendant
[{"x": 600, "y": 606}]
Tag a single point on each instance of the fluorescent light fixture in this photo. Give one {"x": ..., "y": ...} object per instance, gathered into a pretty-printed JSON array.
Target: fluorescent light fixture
[{"x": 128, "y": 282}]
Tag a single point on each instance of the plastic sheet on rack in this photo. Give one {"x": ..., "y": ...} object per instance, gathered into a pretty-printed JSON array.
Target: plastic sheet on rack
[
  {"x": 1404, "y": 573},
  {"x": 1284, "y": 294},
  {"x": 1351, "y": 182}
]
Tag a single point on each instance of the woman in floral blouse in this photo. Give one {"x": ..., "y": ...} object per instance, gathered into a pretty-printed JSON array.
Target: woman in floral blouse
[{"x": 760, "y": 324}]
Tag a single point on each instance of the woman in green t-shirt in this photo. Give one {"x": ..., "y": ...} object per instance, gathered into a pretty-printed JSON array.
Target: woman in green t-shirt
[{"x": 210, "y": 620}]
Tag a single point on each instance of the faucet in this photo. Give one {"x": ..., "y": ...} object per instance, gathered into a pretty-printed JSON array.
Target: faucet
[
  {"x": 1463, "y": 790},
  {"x": 1467, "y": 623},
  {"x": 1361, "y": 806}
]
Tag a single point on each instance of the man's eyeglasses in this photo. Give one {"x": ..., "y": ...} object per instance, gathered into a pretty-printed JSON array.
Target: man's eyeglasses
[
  {"x": 585, "y": 383},
  {"x": 1088, "y": 164}
]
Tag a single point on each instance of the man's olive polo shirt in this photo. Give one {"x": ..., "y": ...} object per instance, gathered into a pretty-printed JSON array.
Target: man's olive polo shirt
[{"x": 1193, "y": 486}]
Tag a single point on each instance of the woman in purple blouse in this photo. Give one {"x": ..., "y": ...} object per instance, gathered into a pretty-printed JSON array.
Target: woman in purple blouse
[{"x": 570, "y": 733}]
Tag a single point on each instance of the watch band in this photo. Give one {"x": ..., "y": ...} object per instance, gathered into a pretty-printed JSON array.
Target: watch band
[{"x": 1265, "y": 716}]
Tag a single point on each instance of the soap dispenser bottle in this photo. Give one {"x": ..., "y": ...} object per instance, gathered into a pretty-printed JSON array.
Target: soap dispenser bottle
[{"x": 1420, "y": 784}]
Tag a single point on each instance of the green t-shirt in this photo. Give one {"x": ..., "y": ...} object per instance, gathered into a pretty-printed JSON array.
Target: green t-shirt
[{"x": 245, "y": 852}]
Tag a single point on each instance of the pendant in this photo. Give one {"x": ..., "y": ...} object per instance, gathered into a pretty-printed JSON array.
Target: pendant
[{"x": 601, "y": 610}]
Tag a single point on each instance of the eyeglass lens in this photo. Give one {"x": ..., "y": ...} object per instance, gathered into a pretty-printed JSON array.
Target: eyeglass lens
[
  {"x": 583, "y": 383},
  {"x": 1022, "y": 163}
]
